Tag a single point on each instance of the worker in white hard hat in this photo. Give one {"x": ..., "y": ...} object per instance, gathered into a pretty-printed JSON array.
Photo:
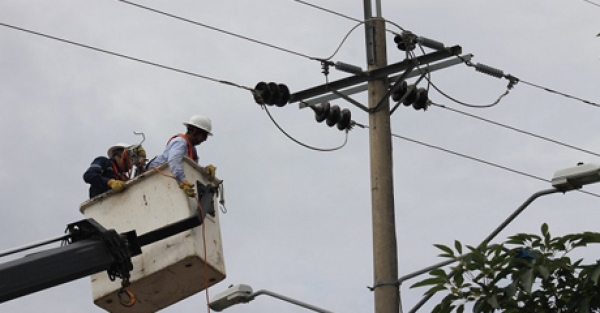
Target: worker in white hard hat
[
  {"x": 111, "y": 172},
  {"x": 198, "y": 129}
]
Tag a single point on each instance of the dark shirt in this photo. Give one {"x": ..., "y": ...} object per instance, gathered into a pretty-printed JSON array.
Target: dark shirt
[{"x": 98, "y": 174}]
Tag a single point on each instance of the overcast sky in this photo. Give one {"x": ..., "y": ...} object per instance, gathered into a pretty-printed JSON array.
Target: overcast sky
[{"x": 298, "y": 220}]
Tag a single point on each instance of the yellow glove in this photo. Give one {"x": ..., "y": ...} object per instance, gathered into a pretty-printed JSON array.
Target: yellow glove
[
  {"x": 116, "y": 185},
  {"x": 188, "y": 188},
  {"x": 141, "y": 152},
  {"x": 210, "y": 171}
]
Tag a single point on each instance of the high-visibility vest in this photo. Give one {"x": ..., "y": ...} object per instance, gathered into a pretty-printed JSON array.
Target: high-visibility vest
[{"x": 190, "y": 148}]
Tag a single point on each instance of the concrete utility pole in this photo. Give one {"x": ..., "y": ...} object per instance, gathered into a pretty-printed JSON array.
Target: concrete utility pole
[
  {"x": 378, "y": 84},
  {"x": 385, "y": 259}
]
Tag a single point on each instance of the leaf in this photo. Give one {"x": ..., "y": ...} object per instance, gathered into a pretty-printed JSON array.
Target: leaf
[
  {"x": 544, "y": 229},
  {"x": 438, "y": 272},
  {"x": 429, "y": 281},
  {"x": 527, "y": 280},
  {"x": 458, "y": 246},
  {"x": 493, "y": 301},
  {"x": 544, "y": 271},
  {"x": 584, "y": 305},
  {"x": 445, "y": 249},
  {"x": 433, "y": 290},
  {"x": 595, "y": 274}
]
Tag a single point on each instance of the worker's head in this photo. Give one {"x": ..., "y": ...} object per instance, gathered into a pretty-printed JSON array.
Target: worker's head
[
  {"x": 198, "y": 129},
  {"x": 120, "y": 153}
]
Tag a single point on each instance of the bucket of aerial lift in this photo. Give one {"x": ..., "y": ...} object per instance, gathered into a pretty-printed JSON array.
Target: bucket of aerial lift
[{"x": 168, "y": 270}]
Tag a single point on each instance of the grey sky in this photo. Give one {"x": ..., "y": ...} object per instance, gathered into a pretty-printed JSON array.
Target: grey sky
[{"x": 298, "y": 221}]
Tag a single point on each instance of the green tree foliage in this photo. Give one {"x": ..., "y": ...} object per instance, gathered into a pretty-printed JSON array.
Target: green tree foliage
[{"x": 527, "y": 273}]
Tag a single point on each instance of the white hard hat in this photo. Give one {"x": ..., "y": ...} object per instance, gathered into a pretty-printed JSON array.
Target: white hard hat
[
  {"x": 120, "y": 145},
  {"x": 201, "y": 122}
]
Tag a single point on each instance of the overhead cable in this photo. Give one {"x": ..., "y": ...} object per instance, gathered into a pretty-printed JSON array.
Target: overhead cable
[
  {"x": 594, "y": 3},
  {"x": 561, "y": 93},
  {"x": 217, "y": 29},
  {"x": 301, "y": 143},
  {"x": 514, "y": 80},
  {"x": 127, "y": 57},
  {"x": 329, "y": 11},
  {"x": 517, "y": 129},
  {"x": 475, "y": 159},
  {"x": 245, "y": 37},
  {"x": 482, "y": 67}
]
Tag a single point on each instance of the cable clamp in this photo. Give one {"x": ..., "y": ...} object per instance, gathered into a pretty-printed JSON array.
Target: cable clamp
[{"x": 380, "y": 284}]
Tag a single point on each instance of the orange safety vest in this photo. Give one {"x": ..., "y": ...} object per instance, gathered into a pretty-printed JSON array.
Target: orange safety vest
[
  {"x": 118, "y": 174},
  {"x": 190, "y": 148}
]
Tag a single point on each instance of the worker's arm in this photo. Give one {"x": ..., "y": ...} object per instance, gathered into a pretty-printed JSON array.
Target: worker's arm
[
  {"x": 94, "y": 174},
  {"x": 176, "y": 151}
]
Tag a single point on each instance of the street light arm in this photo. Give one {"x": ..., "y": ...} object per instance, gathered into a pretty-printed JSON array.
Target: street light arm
[
  {"x": 516, "y": 213},
  {"x": 492, "y": 235},
  {"x": 287, "y": 299}
]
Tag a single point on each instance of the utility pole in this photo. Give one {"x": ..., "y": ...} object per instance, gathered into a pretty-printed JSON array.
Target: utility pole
[
  {"x": 385, "y": 259},
  {"x": 379, "y": 84}
]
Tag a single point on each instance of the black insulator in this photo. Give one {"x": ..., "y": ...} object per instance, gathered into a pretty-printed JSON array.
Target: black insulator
[
  {"x": 334, "y": 116},
  {"x": 261, "y": 93},
  {"x": 422, "y": 100},
  {"x": 284, "y": 95},
  {"x": 406, "y": 41},
  {"x": 345, "y": 118},
  {"x": 273, "y": 94},
  {"x": 348, "y": 68},
  {"x": 321, "y": 111},
  {"x": 411, "y": 97},
  {"x": 399, "y": 91},
  {"x": 489, "y": 70}
]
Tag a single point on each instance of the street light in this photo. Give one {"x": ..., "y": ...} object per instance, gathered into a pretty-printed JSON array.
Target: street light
[
  {"x": 243, "y": 294},
  {"x": 564, "y": 180}
]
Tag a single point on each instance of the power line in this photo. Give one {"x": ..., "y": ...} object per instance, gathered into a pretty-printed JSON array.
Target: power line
[
  {"x": 561, "y": 93},
  {"x": 126, "y": 57},
  {"x": 217, "y": 29},
  {"x": 328, "y": 10},
  {"x": 594, "y": 3},
  {"x": 480, "y": 66},
  {"x": 517, "y": 130},
  {"x": 301, "y": 143},
  {"x": 476, "y": 159},
  {"x": 245, "y": 37}
]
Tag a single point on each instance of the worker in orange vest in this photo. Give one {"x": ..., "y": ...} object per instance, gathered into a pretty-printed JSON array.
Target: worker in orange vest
[
  {"x": 111, "y": 173},
  {"x": 198, "y": 129}
]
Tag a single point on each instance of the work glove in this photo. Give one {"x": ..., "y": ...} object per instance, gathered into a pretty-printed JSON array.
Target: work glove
[
  {"x": 210, "y": 171},
  {"x": 116, "y": 185},
  {"x": 188, "y": 188}
]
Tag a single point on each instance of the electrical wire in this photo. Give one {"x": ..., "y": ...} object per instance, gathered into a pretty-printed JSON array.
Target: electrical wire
[
  {"x": 594, "y": 3},
  {"x": 303, "y": 144},
  {"x": 470, "y": 64},
  {"x": 479, "y": 106},
  {"x": 245, "y": 37},
  {"x": 218, "y": 29},
  {"x": 328, "y": 11},
  {"x": 561, "y": 93},
  {"x": 516, "y": 129},
  {"x": 514, "y": 80},
  {"x": 172, "y": 69},
  {"x": 126, "y": 57},
  {"x": 475, "y": 159},
  {"x": 345, "y": 16}
]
